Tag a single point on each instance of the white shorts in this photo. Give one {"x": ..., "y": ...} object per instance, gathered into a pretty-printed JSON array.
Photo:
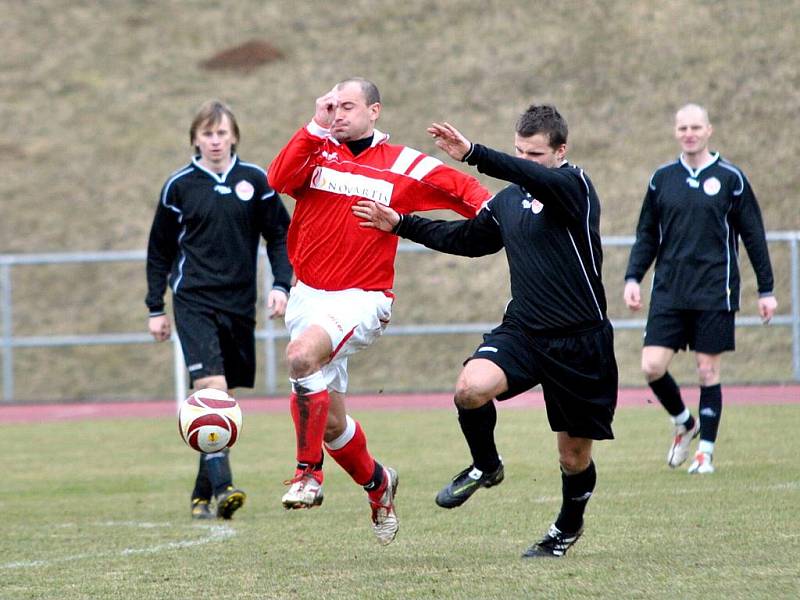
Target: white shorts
[{"x": 352, "y": 318}]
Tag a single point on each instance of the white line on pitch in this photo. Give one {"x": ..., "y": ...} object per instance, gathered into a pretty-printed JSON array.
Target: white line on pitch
[{"x": 216, "y": 533}]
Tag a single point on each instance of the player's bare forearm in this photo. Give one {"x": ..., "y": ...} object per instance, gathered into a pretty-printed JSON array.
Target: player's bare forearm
[{"x": 374, "y": 215}]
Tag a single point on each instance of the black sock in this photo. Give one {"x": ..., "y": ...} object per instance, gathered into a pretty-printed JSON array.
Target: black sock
[
  {"x": 710, "y": 411},
  {"x": 477, "y": 424},
  {"x": 669, "y": 394},
  {"x": 376, "y": 480},
  {"x": 575, "y": 492},
  {"x": 202, "y": 484},
  {"x": 218, "y": 466}
]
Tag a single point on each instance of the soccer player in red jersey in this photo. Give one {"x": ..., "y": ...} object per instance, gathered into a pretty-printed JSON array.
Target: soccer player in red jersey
[{"x": 342, "y": 301}]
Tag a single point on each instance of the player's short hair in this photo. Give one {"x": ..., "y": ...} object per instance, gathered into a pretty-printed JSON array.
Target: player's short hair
[
  {"x": 543, "y": 118},
  {"x": 369, "y": 89},
  {"x": 212, "y": 111}
]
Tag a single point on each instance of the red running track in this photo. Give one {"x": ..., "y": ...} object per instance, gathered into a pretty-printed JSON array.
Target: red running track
[{"x": 628, "y": 397}]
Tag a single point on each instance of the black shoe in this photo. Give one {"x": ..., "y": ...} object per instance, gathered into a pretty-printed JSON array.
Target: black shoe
[
  {"x": 201, "y": 509},
  {"x": 229, "y": 501},
  {"x": 554, "y": 544},
  {"x": 467, "y": 483}
]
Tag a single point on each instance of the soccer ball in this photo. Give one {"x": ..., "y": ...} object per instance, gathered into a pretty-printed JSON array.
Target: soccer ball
[{"x": 210, "y": 420}]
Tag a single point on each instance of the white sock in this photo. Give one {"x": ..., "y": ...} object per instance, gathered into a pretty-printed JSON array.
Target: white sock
[
  {"x": 705, "y": 446},
  {"x": 681, "y": 418}
]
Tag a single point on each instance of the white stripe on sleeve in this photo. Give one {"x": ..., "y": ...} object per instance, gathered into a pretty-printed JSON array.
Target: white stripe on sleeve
[{"x": 425, "y": 166}]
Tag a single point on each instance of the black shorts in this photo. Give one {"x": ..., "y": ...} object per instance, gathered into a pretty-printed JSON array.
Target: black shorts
[
  {"x": 215, "y": 342},
  {"x": 578, "y": 374},
  {"x": 706, "y": 331}
]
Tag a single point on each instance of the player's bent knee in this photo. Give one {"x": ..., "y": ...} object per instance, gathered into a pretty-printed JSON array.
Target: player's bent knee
[
  {"x": 707, "y": 376},
  {"x": 217, "y": 382},
  {"x": 470, "y": 396},
  {"x": 572, "y": 463},
  {"x": 300, "y": 359},
  {"x": 653, "y": 370}
]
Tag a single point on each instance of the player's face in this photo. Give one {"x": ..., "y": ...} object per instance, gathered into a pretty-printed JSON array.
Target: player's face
[
  {"x": 215, "y": 141},
  {"x": 692, "y": 130},
  {"x": 537, "y": 149},
  {"x": 354, "y": 119}
]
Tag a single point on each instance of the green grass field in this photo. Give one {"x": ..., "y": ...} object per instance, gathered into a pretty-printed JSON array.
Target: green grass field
[{"x": 99, "y": 509}]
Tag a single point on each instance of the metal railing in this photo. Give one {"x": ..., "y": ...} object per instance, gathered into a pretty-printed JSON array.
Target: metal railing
[{"x": 270, "y": 333}]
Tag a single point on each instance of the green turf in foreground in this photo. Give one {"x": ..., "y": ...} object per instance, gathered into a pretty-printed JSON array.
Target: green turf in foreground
[{"x": 100, "y": 510}]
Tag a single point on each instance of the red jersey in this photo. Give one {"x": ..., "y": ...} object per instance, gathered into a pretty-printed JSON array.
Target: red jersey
[{"x": 327, "y": 247}]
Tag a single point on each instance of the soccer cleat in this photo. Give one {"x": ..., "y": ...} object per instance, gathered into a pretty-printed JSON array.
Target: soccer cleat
[
  {"x": 229, "y": 501},
  {"x": 201, "y": 509},
  {"x": 679, "y": 451},
  {"x": 384, "y": 518},
  {"x": 702, "y": 464},
  {"x": 305, "y": 491},
  {"x": 466, "y": 483},
  {"x": 554, "y": 544}
]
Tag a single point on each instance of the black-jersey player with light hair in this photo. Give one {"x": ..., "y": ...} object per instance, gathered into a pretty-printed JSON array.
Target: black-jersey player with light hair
[
  {"x": 554, "y": 332},
  {"x": 210, "y": 218},
  {"x": 694, "y": 212}
]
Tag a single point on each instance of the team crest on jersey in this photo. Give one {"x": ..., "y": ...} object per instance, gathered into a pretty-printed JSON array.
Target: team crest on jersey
[
  {"x": 330, "y": 155},
  {"x": 535, "y": 206},
  {"x": 351, "y": 184},
  {"x": 244, "y": 190},
  {"x": 711, "y": 186}
]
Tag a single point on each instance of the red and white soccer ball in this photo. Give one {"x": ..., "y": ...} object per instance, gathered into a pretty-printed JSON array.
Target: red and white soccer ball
[{"x": 210, "y": 420}]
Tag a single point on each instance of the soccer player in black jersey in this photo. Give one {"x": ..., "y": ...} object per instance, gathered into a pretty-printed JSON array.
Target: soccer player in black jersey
[
  {"x": 554, "y": 332},
  {"x": 693, "y": 214},
  {"x": 204, "y": 242}
]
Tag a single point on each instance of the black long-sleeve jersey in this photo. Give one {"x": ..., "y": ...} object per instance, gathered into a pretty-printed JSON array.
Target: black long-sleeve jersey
[
  {"x": 205, "y": 235},
  {"x": 548, "y": 221},
  {"x": 690, "y": 223}
]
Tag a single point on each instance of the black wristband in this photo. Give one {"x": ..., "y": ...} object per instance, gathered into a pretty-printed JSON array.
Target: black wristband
[{"x": 396, "y": 228}]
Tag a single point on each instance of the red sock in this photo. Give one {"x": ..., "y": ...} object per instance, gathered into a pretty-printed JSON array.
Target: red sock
[
  {"x": 355, "y": 458},
  {"x": 310, "y": 416}
]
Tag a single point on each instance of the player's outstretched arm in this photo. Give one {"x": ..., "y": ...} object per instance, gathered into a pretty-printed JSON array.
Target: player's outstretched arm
[
  {"x": 375, "y": 215},
  {"x": 450, "y": 139}
]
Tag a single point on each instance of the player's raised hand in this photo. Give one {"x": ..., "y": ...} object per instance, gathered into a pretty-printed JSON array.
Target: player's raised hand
[
  {"x": 632, "y": 295},
  {"x": 375, "y": 215},
  {"x": 326, "y": 108},
  {"x": 450, "y": 139}
]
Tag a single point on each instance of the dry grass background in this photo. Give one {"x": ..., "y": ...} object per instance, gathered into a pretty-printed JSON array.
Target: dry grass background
[{"x": 96, "y": 98}]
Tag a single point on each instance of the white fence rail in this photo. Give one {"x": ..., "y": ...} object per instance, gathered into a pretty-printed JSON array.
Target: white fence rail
[{"x": 270, "y": 334}]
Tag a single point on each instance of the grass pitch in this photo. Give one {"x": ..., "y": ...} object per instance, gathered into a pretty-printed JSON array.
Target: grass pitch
[{"x": 100, "y": 509}]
